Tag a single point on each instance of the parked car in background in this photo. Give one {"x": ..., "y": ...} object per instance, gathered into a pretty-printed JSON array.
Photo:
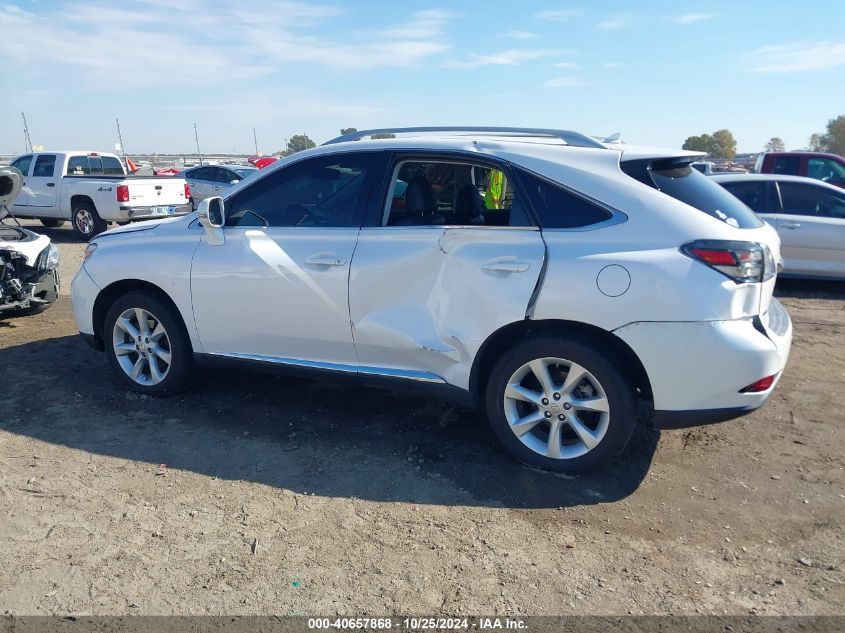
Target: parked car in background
[
  {"x": 704, "y": 166},
  {"x": 92, "y": 189},
  {"x": 828, "y": 168},
  {"x": 29, "y": 263},
  {"x": 214, "y": 180},
  {"x": 261, "y": 162},
  {"x": 555, "y": 303},
  {"x": 809, "y": 216}
]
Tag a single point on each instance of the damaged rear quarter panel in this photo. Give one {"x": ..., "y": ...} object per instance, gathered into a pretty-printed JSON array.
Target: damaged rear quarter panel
[{"x": 421, "y": 299}]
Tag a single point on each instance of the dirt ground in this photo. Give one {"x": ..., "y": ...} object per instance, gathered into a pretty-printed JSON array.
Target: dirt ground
[{"x": 256, "y": 494}]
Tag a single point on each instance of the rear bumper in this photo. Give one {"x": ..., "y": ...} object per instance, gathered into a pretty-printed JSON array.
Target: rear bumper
[
  {"x": 147, "y": 213},
  {"x": 666, "y": 420},
  {"x": 697, "y": 369}
]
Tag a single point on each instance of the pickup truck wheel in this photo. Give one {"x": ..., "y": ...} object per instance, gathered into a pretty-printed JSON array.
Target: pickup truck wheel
[
  {"x": 52, "y": 223},
  {"x": 147, "y": 345},
  {"x": 560, "y": 404},
  {"x": 86, "y": 221}
]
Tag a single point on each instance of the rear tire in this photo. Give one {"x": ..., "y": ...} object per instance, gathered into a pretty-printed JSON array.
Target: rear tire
[
  {"x": 147, "y": 344},
  {"x": 86, "y": 221},
  {"x": 52, "y": 223},
  {"x": 584, "y": 416}
]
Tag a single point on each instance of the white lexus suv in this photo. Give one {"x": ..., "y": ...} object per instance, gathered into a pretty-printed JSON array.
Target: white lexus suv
[{"x": 548, "y": 279}]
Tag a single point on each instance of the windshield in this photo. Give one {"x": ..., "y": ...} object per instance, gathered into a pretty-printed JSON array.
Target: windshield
[{"x": 684, "y": 183}]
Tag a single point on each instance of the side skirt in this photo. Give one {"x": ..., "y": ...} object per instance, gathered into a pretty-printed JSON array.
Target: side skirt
[{"x": 381, "y": 378}]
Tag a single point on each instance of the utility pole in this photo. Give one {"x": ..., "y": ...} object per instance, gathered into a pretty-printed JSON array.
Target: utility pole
[
  {"x": 27, "y": 140},
  {"x": 255, "y": 140},
  {"x": 120, "y": 140},
  {"x": 197, "y": 139}
]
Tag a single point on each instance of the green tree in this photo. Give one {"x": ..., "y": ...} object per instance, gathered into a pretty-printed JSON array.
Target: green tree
[
  {"x": 348, "y": 130},
  {"x": 815, "y": 144},
  {"x": 833, "y": 140},
  {"x": 701, "y": 143},
  {"x": 384, "y": 135},
  {"x": 723, "y": 144},
  {"x": 775, "y": 144},
  {"x": 299, "y": 142}
]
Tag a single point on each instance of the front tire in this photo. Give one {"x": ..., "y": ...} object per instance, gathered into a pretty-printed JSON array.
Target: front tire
[
  {"x": 52, "y": 223},
  {"x": 147, "y": 345},
  {"x": 561, "y": 404},
  {"x": 86, "y": 221}
]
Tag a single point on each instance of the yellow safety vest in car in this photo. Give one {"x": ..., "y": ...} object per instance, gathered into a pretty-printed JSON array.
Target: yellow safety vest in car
[{"x": 495, "y": 190}]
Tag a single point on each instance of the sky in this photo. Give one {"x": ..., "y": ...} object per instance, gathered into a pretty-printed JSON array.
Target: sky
[{"x": 656, "y": 71}]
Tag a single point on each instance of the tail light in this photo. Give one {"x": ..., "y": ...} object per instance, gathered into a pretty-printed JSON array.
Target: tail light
[
  {"x": 764, "y": 384},
  {"x": 123, "y": 193},
  {"x": 744, "y": 262},
  {"x": 187, "y": 191}
]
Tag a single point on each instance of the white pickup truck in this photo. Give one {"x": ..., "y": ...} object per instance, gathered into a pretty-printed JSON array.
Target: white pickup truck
[{"x": 92, "y": 189}]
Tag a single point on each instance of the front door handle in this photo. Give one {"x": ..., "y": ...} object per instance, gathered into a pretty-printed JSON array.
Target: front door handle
[
  {"x": 791, "y": 225},
  {"x": 325, "y": 259},
  {"x": 51, "y": 184},
  {"x": 506, "y": 267}
]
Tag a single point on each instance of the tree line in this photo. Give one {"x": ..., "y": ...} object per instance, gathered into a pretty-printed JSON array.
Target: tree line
[
  {"x": 722, "y": 144},
  {"x": 299, "y": 142}
]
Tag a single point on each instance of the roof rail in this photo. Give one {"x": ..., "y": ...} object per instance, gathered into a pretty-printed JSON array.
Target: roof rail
[{"x": 575, "y": 139}]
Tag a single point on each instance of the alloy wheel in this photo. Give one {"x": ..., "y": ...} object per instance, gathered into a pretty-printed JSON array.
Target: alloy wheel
[
  {"x": 142, "y": 346},
  {"x": 556, "y": 408}
]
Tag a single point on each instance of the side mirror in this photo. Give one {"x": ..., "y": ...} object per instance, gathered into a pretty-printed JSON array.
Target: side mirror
[
  {"x": 211, "y": 212},
  {"x": 234, "y": 182},
  {"x": 212, "y": 216}
]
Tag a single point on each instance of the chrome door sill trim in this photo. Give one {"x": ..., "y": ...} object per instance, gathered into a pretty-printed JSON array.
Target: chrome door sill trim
[{"x": 407, "y": 374}]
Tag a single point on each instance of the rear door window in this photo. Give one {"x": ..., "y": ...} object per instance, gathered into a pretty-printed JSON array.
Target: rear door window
[
  {"x": 452, "y": 192},
  {"x": 752, "y": 194},
  {"x": 788, "y": 165},
  {"x": 45, "y": 166}
]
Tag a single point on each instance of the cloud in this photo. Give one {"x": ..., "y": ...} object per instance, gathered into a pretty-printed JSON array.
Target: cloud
[
  {"x": 513, "y": 57},
  {"x": 560, "y": 15},
  {"x": 615, "y": 22},
  {"x": 567, "y": 65},
  {"x": 520, "y": 35},
  {"x": 797, "y": 57},
  {"x": 565, "y": 82},
  {"x": 167, "y": 43},
  {"x": 692, "y": 18}
]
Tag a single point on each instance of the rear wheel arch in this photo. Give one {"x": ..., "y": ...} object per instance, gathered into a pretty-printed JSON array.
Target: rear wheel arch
[
  {"x": 506, "y": 337},
  {"x": 111, "y": 293}
]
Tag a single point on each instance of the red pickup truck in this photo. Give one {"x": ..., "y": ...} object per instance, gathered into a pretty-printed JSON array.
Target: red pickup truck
[{"x": 827, "y": 167}]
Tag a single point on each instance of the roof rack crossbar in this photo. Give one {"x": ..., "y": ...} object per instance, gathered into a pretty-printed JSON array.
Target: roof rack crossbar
[{"x": 575, "y": 139}]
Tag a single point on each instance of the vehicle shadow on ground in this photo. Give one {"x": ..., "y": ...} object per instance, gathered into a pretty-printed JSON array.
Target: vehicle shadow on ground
[
  {"x": 323, "y": 437},
  {"x": 810, "y": 289}
]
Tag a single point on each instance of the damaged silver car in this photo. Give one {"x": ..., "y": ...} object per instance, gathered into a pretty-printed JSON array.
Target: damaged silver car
[{"x": 29, "y": 263}]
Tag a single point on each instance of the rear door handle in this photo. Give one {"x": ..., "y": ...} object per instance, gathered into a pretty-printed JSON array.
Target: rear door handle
[
  {"x": 51, "y": 184},
  {"x": 325, "y": 259},
  {"x": 506, "y": 267},
  {"x": 791, "y": 225}
]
